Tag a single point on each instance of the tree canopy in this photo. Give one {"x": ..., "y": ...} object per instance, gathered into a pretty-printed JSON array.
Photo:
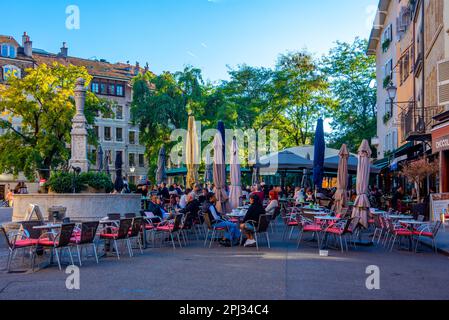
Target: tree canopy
[{"x": 43, "y": 101}]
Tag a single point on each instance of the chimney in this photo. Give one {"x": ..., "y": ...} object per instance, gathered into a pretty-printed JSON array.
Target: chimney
[
  {"x": 64, "y": 50},
  {"x": 27, "y": 45}
]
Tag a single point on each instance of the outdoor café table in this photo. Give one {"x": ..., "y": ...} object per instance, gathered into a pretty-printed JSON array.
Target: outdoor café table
[{"x": 400, "y": 217}]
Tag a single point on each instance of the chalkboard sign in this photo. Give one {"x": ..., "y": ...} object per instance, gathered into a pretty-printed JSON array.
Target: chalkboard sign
[{"x": 439, "y": 202}]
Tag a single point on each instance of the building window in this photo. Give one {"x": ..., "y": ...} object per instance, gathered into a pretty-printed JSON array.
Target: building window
[
  {"x": 107, "y": 133},
  {"x": 95, "y": 87},
  {"x": 132, "y": 160},
  {"x": 12, "y": 52},
  {"x": 119, "y": 113},
  {"x": 111, "y": 90},
  {"x": 4, "y": 51},
  {"x": 120, "y": 91},
  {"x": 132, "y": 137},
  {"x": 141, "y": 161},
  {"x": 119, "y": 134},
  {"x": 103, "y": 88},
  {"x": 119, "y": 154}
]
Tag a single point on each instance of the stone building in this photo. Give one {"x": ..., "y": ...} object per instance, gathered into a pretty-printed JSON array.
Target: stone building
[
  {"x": 419, "y": 78},
  {"x": 116, "y": 134}
]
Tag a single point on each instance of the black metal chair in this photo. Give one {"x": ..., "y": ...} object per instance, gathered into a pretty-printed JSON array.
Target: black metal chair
[
  {"x": 261, "y": 229},
  {"x": 119, "y": 233},
  {"x": 135, "y": 232},
  {"x": 86, "y": 237},
  {"x": 61, "y": 241}
]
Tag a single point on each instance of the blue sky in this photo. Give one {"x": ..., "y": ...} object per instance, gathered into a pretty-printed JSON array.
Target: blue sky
[{"x": 210, "y": 34}]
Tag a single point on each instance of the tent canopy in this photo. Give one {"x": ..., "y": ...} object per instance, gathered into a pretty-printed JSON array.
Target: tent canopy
[{"x": 297, "y": 158}]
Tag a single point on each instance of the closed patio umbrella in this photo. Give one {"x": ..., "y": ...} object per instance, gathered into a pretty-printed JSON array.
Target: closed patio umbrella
[
  {"x": 222, "y": 130},
  {"x": 319, "y": 154},
  {"x": 341, "y": 195},
  {"x": 362, "y": 204},
  {"x": 235, "y": 190},
  {"x": 118, "y": 185},
  {"x": 192, "y": 150},
  {"x": 219, "y": 177},
  {"x": 161, "y": 174}
]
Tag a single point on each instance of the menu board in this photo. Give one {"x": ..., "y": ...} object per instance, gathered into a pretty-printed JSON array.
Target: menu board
[{"x": 438, "y": 203}]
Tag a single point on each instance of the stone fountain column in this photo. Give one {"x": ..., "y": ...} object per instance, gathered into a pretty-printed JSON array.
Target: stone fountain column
[{"x": 79, "y": 130}]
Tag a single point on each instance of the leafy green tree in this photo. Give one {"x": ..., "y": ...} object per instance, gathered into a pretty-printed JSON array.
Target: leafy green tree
[
  {"x": 351, "y": 74},
  {"x": 304, "y": 92},
  {"x": 162, "y": 103},
  {"x": 36, "y": 116}
]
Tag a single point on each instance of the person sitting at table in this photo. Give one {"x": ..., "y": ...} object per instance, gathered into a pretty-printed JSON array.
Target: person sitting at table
[
  {"x": 155, "y": 206},
  {"x": 254, "y": 212},
  {"x": 183, "y": 200},
  {"x": 192, "y": 207},
  {"x": 163, "y": 191},
  {"x": 259, "y": 192},
  {"x": 232, "y": 234},
  {"x": 397, "y": 198},
  {"x": 273, "y": 204},
  {"x": 203, "y": 197}
]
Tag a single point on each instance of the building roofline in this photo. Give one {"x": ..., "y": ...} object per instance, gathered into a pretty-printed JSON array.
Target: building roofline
[{"x": 379, "y": 22}]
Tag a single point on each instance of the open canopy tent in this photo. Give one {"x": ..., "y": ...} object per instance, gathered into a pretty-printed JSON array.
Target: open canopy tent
[{"x": 298, "y": 158}]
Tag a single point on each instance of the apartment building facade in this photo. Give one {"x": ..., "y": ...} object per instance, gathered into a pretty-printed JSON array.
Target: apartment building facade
[
  {"x": 420, "y": 73},
  {"x": 116, "y": 133}
]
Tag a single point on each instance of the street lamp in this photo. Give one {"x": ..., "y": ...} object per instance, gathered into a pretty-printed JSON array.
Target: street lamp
[
  {"x": 132, "y": 169},
  {"x": 392, "y": 90}
]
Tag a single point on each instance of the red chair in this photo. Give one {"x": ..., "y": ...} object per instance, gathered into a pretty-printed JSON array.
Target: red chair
[
  {"x": 84, "y": 237},
  {"x": 115, "y": 234},
  {"x": 428, "y": 231},
  {"x": 172, "y": 227},
  {"x": 397, "y": 232},
  {"x": 14, "y": 244},
  {"x": 61, "y": 241},
  {"x": 308, "y": 226},
  {"x": 341, "y": 229}
]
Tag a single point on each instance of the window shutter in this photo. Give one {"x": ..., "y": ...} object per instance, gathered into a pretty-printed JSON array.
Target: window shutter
[{"x": 443, "y": 83}]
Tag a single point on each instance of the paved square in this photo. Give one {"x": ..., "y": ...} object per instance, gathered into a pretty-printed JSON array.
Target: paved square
[{"x": 282, "y": 272}]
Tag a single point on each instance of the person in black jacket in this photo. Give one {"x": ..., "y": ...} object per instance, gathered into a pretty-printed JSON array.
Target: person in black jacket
[
  {"x": 192, "y": 207},
  {"x": 254, "y": 212}
]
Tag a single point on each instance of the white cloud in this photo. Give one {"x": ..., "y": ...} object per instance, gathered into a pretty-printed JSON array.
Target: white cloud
[{"x": 190, "y": 53}]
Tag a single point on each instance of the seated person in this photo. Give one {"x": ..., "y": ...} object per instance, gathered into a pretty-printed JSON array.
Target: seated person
[
  {"x": 254, "y": 212},
  {"x": 273, "y": 204},
  {"x": 192, "y": 207},
  {"x": 232, "y": 233}
]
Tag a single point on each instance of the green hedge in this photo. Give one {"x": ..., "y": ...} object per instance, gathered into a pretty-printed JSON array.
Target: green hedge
[{"x": 63, "y": 182}]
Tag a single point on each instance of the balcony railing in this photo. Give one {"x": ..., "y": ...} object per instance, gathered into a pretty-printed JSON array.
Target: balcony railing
[{"x": 413, "y": 122}]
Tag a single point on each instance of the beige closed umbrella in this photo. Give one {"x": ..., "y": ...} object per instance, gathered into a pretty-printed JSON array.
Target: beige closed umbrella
[
  {"x": 192, "y": 153},
  {"x": 362, "y": 204},
  {"x": 235, "y": 190},
  {"x": 219, "y": 177},
  {"x": 341, "y": 195}
]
